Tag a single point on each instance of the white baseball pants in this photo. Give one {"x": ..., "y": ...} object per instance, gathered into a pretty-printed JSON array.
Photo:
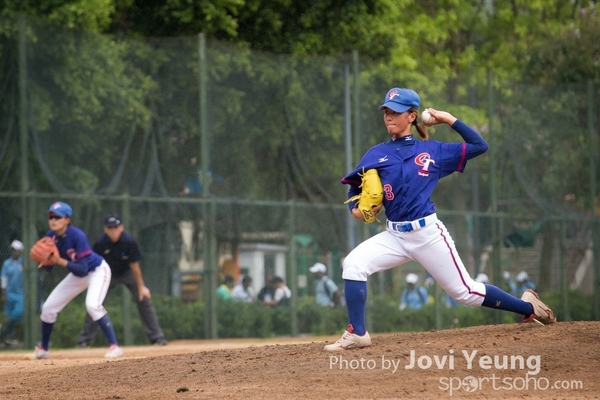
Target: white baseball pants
[
  {"x": 96, "y": 282},
  {"x": 430, "y": 246}
]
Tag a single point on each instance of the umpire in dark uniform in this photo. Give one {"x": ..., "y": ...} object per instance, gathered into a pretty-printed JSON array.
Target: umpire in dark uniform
[{"x": 121, "y": 252}]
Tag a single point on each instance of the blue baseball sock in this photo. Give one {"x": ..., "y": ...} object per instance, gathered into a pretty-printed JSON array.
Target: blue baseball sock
[
  {"x": 356, "y": 300},
  {"x": 108, "y": 329},
  {"x": 499, "y": 299},
  {"x": 46, "y": 332}
]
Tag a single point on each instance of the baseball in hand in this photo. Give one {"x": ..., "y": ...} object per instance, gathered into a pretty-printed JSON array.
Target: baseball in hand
[{"x": 427, "y": 118}]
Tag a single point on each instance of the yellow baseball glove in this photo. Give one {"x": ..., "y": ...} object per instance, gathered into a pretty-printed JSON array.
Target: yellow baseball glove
[{"x": 370, "y": 196}]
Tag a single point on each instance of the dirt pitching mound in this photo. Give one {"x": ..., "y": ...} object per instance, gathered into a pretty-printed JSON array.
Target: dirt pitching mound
[{"x": 497, "y": 361}]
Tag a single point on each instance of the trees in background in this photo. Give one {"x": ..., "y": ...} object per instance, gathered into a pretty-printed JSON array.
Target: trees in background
[{"x": 129, "y": 70}]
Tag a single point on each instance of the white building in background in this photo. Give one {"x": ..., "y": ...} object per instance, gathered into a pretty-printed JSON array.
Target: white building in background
[{"x": 256, "y": 259}]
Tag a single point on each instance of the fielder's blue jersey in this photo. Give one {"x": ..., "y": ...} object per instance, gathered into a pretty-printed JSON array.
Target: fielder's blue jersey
[
  {"x": 75, "y": 247},
  {"x": 410, "y": 170}
]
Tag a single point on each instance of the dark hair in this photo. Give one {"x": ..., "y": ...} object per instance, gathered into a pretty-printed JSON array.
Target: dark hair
[
  {"x": 277, "y": 279},
  {"x": 228, "y": 279},
  {"x": 247, "y": 279},
  {"x": 420, "y": 127}
]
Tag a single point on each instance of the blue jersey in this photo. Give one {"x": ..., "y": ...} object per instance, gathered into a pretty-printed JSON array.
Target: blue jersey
[
  {"x": 75, "y": 247},
  {"x": 410, "y": 170},
  {"x": 12, "y": 276}
]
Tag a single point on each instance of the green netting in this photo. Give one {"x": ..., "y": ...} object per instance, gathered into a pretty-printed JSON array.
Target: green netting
[{"x": 211, "y": 151}]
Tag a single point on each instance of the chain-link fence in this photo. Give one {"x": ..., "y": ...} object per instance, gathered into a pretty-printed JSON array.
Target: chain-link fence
[{"x": 223, "y": 161}]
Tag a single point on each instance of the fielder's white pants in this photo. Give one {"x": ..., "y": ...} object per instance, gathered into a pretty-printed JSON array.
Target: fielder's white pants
[
  {"x": 96, "y": 282},
  {"x": 430, "y": 246}
]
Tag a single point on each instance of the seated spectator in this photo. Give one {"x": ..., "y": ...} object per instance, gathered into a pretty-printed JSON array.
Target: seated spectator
[
  {"x": 224, "y": 290},
  {"x": 282, "y": 294},
  {"x": 243, "y": 291},
  {"x": 268, "y": 291}
]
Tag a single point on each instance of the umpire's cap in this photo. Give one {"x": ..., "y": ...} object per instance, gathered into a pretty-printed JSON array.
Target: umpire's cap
[
  {"x": 400, "y": 100},
  {"x": 113, "y": 220}
]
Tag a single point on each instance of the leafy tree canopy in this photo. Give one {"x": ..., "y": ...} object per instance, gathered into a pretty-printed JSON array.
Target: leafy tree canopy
[
  {"x": 88, "y": 15},
  {"x": 449, "y": 37}
]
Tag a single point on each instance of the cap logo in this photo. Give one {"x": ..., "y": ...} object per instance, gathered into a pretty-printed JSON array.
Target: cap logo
[
  {"x": 392, "y": 94},
  {"x": 56, "y": 205}
]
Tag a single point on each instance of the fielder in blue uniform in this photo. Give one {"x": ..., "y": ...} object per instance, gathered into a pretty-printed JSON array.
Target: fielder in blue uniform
[
  {"x": 11, "y": 279},
  {"x": 87, "y": 270},
  {"x": 410, "y": 170}
]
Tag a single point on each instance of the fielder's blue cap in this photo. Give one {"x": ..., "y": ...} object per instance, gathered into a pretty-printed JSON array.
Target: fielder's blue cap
[
  {"x": 400, "y": 100},
  {"x": 61, "y": 209}
]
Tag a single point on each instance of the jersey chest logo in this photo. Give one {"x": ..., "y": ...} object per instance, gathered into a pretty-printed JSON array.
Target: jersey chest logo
[{"x": 424, "y": 160}]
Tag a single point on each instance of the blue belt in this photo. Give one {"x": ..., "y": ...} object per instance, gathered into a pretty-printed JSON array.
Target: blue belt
[{"x": 407, "y": 226}]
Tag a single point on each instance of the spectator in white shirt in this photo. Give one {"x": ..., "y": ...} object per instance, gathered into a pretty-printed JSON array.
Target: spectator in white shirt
[
  {"x": 243, "y": 291},
  {"x": 282, "y": 295}
]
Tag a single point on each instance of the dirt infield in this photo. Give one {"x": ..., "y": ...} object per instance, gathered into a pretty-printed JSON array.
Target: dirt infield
[{"x": 496, "y": 361}]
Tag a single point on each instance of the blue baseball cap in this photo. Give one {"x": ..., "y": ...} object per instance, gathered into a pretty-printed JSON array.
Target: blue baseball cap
[
  {"x": 400, "y": 100},
  {"x": 61, "y": 209}
]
